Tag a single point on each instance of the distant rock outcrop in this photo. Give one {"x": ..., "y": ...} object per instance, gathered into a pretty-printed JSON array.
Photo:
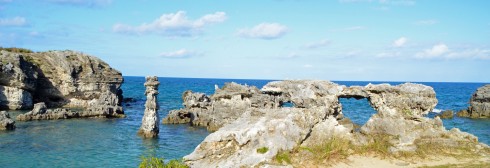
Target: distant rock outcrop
[
  {"x": 60, "y": 79},
  {"x": 248, "y": 119},
  {"x": 479, "y": 104},
  {"x": 5, "y": 122},
  {"x": 226, "y": 105},
  {"x": 149, "y": 124}
]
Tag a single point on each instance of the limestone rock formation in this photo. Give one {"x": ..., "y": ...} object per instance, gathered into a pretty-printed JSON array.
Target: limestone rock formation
[
  {"x": 41, "y": 112},
  {"x": 60, "y": 79},
  {"x": 5, "y": 122},
  {"x": 226, "y": 105},
  {"x": 149, "y": 126},
  {"x": 479, "y": 104},
  {"x": 316, "y": 116}
]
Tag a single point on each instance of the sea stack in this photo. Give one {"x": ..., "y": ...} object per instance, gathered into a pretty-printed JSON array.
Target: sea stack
[{"x": 149, "y": 126}]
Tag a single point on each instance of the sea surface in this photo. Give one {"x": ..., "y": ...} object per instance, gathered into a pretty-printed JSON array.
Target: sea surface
[{"x": 114, "y": 142}]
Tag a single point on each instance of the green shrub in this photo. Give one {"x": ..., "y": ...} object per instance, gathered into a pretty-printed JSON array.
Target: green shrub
[
  {"x": 154, "y": 162},
  {"x": 262, "y": 150}
]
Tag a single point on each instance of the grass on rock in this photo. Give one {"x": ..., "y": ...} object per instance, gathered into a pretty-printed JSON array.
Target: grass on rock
[{"x": 154, "y": 162}]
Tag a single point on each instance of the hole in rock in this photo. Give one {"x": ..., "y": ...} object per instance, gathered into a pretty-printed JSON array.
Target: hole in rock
[
  {"x": 286, "y": 104},
  {"x": 357, "y": 110}
]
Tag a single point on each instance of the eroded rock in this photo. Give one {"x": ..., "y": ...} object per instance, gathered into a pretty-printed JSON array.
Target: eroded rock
[
  {"x": 214, "y": 111},
  {"x": 41, "y": 112},
  {"x": 316, "y": 117},
  {"x": 480, "y": 103},
  {"x": 5, "y": 122},
  {"x": 64, "y": 79},
  {"x": 446, "y": 114},
  {"x": 149, "y": 126}
]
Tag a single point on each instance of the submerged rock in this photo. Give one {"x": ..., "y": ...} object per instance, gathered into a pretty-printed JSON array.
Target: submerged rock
[
  {"x": 5, "y": 122},
  {"x": 64, "y": 79},
  {"x": 247, "y": 119},
  {"x": 149, "y": 126},
  {"x": 447, "y": 114},
  {"x": 41, "y": 112}
]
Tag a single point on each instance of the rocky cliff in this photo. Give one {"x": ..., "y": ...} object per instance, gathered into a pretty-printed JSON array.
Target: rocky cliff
[
  {"x": 60, "y": 79},
  {"x": 256, "y": 129}
]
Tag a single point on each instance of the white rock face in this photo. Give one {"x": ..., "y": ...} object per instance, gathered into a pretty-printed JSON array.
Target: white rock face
[
  {"x": 15, "y": 98},
  {"x": 150, "y": 122}
]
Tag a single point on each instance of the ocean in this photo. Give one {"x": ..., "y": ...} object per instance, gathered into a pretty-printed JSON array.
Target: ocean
[{"x": 114, "y": 142}]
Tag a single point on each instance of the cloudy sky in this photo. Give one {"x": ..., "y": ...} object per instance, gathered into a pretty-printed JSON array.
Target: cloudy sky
[{"x": 370, "y": 40}]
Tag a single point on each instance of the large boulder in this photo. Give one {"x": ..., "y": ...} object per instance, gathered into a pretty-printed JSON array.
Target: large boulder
[
  {"x": 479, "y": 103},
  {"x": 5, "y": 122},
  {"x": 60, "y": 79}
]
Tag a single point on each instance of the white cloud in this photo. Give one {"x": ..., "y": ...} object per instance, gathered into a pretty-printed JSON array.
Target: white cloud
[
  {"x": 400, "y": 42},
  {"x": 436, "y": 51},
  {"x": 15, "y": 21},
  {"x": 172, "y": 24},
  {"x": 426, "y": 22},
  {"x": 317, "y": 44},
  {"x": 86, "y": 3},
  {"x": 264, "y": 31},
  {"x": 182, "y": 53},
  {"x": 308, "y": 66}
]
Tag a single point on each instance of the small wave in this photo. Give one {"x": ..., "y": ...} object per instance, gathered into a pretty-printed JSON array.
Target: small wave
[{"x": 437, "y": 110}]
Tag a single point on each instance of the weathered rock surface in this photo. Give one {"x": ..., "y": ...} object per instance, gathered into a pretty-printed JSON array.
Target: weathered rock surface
[
  {"x": 316, "y": 117},
  {"x": 226, "y": 105},
  {"x": 5, "y": 122},
  {"x": 447, "y": 114},
  {"x": 150, "y": 126},
  {"x": 60, "y": 79},
  {"x": 479, "y": 104},
  {"x": 41, "y": 112}
]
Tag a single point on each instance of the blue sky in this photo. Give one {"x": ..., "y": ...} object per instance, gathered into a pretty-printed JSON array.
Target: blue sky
[{"x": 370, "y": 40}]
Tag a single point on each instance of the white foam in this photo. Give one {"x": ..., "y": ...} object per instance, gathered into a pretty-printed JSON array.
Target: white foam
[{"x": 437, "y": 110}]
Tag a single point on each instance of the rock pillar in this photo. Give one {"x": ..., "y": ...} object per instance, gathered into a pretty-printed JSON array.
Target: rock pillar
[{"x": 149, "y": 126}]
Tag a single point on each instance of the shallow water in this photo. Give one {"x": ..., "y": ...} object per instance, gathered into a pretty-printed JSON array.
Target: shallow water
[{"x": 114, "y": 143}]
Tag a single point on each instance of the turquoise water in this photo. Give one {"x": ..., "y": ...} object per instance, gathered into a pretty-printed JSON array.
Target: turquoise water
[{"x": 114, "y": 143}]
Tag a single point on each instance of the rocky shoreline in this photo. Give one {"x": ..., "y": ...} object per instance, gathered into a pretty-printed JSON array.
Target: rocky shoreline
[{"x": 246, "y": 119}]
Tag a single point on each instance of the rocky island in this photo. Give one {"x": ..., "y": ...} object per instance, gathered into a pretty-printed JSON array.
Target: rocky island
[
  {"x": 59, "y": 79},
  {"x": 253, "y": 128},
  {"x": 479, "y": 104}
]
